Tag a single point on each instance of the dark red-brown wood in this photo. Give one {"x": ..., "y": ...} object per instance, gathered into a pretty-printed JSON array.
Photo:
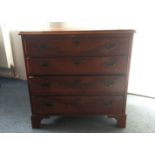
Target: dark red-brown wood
[
  {"x": 47, "y": 46},
  {"x": 77, "y": 105},
  {"x": 78, "y": 73},
  {"x": 77, "y": 65},
  {"x": 78, "y": 85}
]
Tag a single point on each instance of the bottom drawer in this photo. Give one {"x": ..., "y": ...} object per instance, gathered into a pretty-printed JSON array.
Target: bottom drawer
[{"x": 77, "y": 105}]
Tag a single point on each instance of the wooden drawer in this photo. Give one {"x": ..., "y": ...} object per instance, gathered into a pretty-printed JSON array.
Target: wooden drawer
[
  {"x": 77, "y": 105},
  {"x": 76, "y": 46},
  {"x": 78, "y": 65},
  {"x": 77, "y": 85}
]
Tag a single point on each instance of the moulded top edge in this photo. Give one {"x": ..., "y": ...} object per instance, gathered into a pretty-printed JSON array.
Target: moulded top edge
[{"x": 76, "y": 32}]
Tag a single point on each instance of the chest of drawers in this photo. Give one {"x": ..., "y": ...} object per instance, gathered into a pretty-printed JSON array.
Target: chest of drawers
[{"x": 77, "y": 73}]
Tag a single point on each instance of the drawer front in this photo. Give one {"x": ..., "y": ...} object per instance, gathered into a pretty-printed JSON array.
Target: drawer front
[
  {"x": 73, "y": 46},
  {"x": 78, "y": 65},
  {"x": 78, "y": 105},
  {"x": 77, "y": 85}
]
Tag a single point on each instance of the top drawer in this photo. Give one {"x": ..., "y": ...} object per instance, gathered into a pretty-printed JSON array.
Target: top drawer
[{"x": 41, "y": 46}]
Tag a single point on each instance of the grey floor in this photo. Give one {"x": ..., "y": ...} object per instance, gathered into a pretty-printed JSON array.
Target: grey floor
[{"x": 15, "y": 115}]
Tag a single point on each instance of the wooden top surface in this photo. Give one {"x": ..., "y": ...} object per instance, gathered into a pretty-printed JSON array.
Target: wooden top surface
[{"x": 77, "y": 32}]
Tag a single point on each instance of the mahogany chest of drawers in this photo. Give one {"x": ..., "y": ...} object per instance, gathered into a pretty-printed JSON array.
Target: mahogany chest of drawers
[{"x": 77, "y": 73}]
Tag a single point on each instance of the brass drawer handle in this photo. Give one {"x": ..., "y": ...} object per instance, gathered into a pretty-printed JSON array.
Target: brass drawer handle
[
  {"x": 76, "y": 61},
  {"x": 110, "y": 63},
  {"x": 44, "y": 64},
  {"x": 108, "y": 82},
  {"x": 49, "y": 104},
  {"x": 110, "y": 46},
  {"x": 76, "y": 83},
  {"x": 46, "y": 84},
  {"x": 108, "y": 104},
  {"x": 77, "y": 42},
  {"x": 42, "y": 46},
  {"x": 46, "y": 48}
]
